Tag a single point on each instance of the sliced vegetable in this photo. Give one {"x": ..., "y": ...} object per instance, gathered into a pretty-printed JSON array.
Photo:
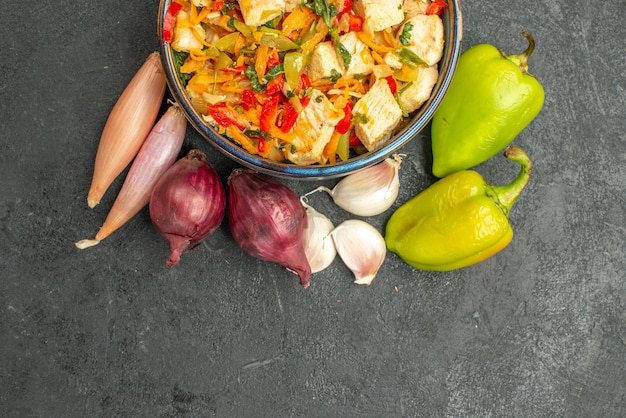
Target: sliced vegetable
[
  {"x": 269, "y": 113},
  {"x": 225, "y": 116},
  {"x": 170, "y": 20},
  {"x": 393, "y": 86},
  {"x": 289, "y": 117},
  {"x": 436, "y": 7},
  {"x": 345, "y": 123}
]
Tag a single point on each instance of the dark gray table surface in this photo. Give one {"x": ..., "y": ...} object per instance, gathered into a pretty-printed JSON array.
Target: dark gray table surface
[{"x": 536, "y": 331}]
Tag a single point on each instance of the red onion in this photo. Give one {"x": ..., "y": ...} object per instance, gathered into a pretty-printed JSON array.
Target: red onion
[
  {"x": 267, "y": 221},
  {"x": 187, "y": 203}
]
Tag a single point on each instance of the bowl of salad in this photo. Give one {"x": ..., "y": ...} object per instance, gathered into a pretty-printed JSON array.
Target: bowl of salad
[{"x": 309, "y": 89}]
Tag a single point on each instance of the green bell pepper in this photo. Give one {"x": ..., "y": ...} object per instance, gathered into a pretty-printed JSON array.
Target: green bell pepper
[
  {"x": 491, "y": 99},
  {"x": 458, "y": 221}
]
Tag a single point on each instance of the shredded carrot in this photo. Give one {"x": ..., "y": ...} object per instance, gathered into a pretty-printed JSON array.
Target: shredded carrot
[
  {"x": 202, "y": 15},
  {"x": 252, "y": 115},
  {"x": 223, "y": 23},
  {"x": 260, "y": 60},
  {"x": 389, "y": 38},
  {"x": 367, "y": 40},
  {"x": 193, "y": 15},
  {"x": 191, "y": 65},
  {"x": 240, "y": 61},
  {"x": 379, "y": 60},
  {"x": 198, "y": 55},
  {"x": 232, "y": 86},
  {"x": 299, "y": 19},
  {"x": 199, "y": 36},
  {"x": 240, "y": 42},
  {"x": 203, "y": 82},
  {"x": 320, "y": 33},
  {"x": 244, "y": 140},
  {"x": 285, "y": 137},
  {"x": 330, "y": 150}
]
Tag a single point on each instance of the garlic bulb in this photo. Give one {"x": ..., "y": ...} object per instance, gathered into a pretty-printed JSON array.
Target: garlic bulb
[
  {"x": 361, "y": 247},
  {"x": 318, "y": 244},
  {"x": 370, "y": 191}
]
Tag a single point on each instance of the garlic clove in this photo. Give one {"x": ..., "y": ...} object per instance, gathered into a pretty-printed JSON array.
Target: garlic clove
[
  {"x": 318, "y": 244},
  {"x": 361, "y": 247},
  {"x": 368, "y": 192}
]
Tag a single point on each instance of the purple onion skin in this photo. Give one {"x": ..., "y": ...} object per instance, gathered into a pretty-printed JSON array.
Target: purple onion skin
[
  {"x": 267, "y": 221},
  {"x": 187, "y": 203}
]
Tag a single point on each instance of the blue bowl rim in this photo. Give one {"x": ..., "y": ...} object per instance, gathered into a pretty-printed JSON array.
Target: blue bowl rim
[{"x": 453, "y": 27}]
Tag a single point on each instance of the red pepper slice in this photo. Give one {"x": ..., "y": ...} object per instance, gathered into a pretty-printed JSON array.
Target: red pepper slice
[
  {"x": 304, "y": 101},
  {"x": 275, "y": 85},
  {"x": 289, "y": 117},
  {"x": 248, "y": 97},
  {"x": 436, "y": 7},
  {"x": 393, "y": 86},
  {"x": 347, "y": 6},
  {"x": 169, "y": 20},
  {"x": 354, "y": 139},
  {"x": 346, "y": 121},
  {"x": 237, "y": 70},
  {"x": 269, "y": 113},
  {"x": 224, "y": 116},
  {"x": 261, "y": 145},
  {"x": 273, "y": 59},
  {"x": 304, "y": 82},
  {"x": 355, "y": 24},
  {"x": 217, "y": 5}
]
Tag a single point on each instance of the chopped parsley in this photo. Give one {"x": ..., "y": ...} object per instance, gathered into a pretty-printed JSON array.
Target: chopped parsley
[
  {"x": 405, "y": 36},
  {"x": 179, "y": 60},
  {"x": 274, "y": 72},
  {"x": 326, "y": 12},
  {"x": 360, "y": 118},
  {"x": 334, "y": 75},
  {"x": 256, "y": 133},
  {"x": 255, "y": 84},
  {"x": 285, "y": 145}
]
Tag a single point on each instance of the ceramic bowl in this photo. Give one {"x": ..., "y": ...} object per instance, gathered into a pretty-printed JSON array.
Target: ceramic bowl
[{"x": 453, "y": 28}]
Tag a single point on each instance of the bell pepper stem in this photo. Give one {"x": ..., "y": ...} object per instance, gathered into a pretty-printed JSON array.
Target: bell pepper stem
[
  {"x": 522, "y": 59},
  {"x": 506, "y": 195}
]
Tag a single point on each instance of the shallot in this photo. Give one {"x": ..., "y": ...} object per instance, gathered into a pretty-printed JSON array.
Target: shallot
[
  {"x": 128, "y": 125},
  {"x": 156, "y": 155},
  {"x": 267, "y": 221},
  {"x": 187, "y": 203}
]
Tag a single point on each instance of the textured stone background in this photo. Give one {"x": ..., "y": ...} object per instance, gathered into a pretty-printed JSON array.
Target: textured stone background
[{"x": 536, "y": 331}]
